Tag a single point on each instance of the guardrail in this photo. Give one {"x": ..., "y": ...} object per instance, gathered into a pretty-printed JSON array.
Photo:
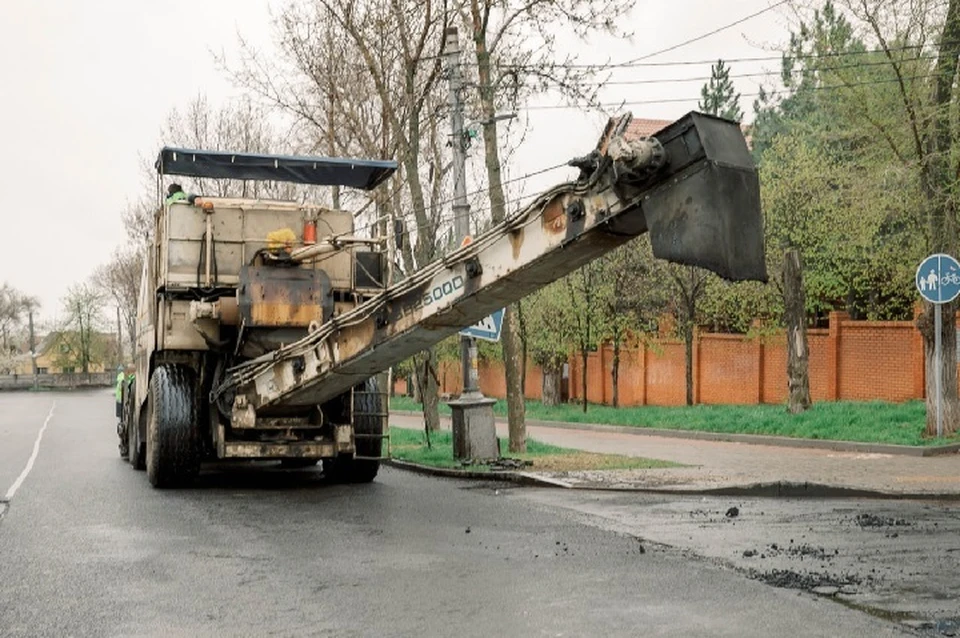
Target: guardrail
[{"x": 57, "y": 381}]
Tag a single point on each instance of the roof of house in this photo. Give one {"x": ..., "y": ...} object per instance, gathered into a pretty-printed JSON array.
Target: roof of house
[{"x": 642, "y": 127}]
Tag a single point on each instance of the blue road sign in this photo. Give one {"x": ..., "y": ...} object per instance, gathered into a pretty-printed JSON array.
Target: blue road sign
[
  {"x": 938, "y": 278},
  {"x": 487, "y": 328}
]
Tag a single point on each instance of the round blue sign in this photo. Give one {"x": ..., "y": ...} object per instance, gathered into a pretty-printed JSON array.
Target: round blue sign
[{"x": 938, "y": 278}]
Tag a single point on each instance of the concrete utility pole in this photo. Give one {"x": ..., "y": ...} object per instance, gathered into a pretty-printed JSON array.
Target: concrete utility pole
[{"x": 474, "y": 430}]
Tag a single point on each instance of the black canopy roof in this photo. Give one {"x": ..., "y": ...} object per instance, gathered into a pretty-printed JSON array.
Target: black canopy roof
[{"x": 323, "y": 171}]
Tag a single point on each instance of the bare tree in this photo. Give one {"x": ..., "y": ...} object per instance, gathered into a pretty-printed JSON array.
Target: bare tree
[
  {"x": 14, "y": 306},
  {"x": 82, "y": 307},
  {"x": 921, "y": 135},
  {"x": 516, "y": 52},
  {"x": 119, "y": 279}
]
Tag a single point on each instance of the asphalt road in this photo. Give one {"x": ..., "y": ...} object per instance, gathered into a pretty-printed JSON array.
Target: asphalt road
[{"x": 87, "y": 548}]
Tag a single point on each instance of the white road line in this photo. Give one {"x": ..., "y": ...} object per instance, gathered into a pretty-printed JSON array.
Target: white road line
[{"x": 33, "y": 457}]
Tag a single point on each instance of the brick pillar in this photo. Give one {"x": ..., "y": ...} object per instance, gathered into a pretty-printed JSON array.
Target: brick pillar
[
  {"x": 760, "y": 370},
  {"x": 833, "y": 355},
  {"x": 603, "y": 375},
  {"x": 756, "y": 325}
]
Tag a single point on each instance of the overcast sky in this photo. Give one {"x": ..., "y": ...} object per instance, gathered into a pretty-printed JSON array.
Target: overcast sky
[{"x": 85, "y": 88}]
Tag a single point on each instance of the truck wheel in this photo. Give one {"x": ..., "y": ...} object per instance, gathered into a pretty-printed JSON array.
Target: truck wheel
[
  {"x": 138, "y": 448},
  {"x": 173, "y": 442},
  {"x": 367, "y": 420},
  {"x": 126, "y": 419}
]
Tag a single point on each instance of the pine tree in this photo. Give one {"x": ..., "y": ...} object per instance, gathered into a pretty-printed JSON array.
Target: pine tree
[{"x": 717, "y": 97}]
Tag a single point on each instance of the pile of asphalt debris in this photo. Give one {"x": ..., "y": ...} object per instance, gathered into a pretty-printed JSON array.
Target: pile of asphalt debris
[
  {"x": 872, "y": 520},
  {"x": 817, "y": 582},
  {"x": 502, "y": 464},
  {"x": 801, "y": 551}
]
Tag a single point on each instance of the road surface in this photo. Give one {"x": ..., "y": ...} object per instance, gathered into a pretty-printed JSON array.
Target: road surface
[{"x": 87, "y": 548}]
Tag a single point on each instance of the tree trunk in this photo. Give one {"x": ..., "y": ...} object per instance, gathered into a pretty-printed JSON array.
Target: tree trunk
[
  {"x": 512, "y": 358},
  {"x": 428, "y": 388},
  {"x": 522, "y": 331},
  {"x": 688, "y": 358},
  {"x": 948, "y": 368},
  {"x": 550, "y": 388},
  {"x": 794, "y": 314},
  {"x": 513, "y": 367},
  {"x": 941, "y": 226},
  {"x": 615, "y": 370}
]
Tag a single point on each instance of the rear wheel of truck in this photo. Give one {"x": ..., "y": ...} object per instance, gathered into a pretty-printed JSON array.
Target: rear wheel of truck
[
  {"x": 173, "y": 440},
  {"x": 137, "y": 448},
  {"x": 368, "y": 426}
]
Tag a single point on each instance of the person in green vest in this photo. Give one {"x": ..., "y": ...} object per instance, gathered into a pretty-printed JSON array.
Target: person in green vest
[
  {"x": 175, "y": 193},
  {"x": 118, "y": 391}
]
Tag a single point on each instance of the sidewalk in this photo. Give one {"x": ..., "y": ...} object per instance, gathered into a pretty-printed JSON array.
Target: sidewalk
[{"x": 717, "y": 465}]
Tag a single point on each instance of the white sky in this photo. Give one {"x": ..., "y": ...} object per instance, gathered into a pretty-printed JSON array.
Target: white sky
[{"x": 85, "y": 88}]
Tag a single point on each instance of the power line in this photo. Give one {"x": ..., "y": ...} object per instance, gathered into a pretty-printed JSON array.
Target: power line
[
  {"x": 444, "y": 202},
  {"x": 857, "y": 65},
  {"x": 762, "y": 58},
  {"x": 701, "y": 37},
  {"x": 545, "y": 107}
]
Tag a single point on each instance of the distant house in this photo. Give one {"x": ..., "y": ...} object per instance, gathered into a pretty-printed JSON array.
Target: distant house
[
  {"x": 61, "y": 353},
  {"x": 642, "y": 127}
]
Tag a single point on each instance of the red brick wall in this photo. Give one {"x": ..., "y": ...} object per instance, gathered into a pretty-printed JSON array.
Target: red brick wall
[
  {"x": 729, "y": 369},
  {"x": 665, "y": 374},
  {"x": 852, "y": 360},
  {"x": 875, "y": 361}
]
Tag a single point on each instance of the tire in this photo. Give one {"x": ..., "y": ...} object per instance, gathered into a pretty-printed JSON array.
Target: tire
[
  {"x": 126, "y": 419},
  {"x": 173, "y": 440},
  {"x": 137, "y": 448},
  {"x": 351, "y": 470}
]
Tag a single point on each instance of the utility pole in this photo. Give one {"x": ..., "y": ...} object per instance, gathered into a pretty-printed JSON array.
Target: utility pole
[
  {"x": 461, "y": 207},
  {"x": 474, "y": 429}
]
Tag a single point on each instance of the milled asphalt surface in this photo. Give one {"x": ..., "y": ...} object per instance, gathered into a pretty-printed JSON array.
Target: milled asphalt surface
[
  {"x": 87, "y": 548},
  {"x": 896, "y": 559}
]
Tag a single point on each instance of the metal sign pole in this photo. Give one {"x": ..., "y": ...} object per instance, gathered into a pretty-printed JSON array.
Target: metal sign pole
[{"x": 937, "y": 366}]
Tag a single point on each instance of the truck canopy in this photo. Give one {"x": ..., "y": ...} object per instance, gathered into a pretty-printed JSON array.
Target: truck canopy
[{"x": 321, "y": 171}]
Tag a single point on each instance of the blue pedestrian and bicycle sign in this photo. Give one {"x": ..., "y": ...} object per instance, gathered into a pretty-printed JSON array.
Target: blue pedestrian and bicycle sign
[
  {"x": 487, "y": 328},
  {"x": 938, "y": 279}
]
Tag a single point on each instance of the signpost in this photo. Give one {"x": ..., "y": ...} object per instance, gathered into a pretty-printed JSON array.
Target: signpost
[
  {"x": 938, "y": 280},
  {"x": 487, "y": 328}
]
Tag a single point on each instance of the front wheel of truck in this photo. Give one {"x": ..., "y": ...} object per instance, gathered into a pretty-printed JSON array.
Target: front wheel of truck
[{"x": 369, "y": 427}]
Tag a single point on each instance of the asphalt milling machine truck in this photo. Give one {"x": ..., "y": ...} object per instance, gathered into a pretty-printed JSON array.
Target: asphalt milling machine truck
[{"x": 261, "y": 324}]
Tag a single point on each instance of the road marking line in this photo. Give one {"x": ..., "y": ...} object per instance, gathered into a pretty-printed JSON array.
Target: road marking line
[{"x": 33, "y": 457}]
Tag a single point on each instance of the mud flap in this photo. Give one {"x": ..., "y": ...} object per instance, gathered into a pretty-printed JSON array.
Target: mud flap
[{"x": 705, "y": 209}]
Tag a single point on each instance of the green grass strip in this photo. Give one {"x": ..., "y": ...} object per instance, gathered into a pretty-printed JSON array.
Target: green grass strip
[{"x": 866, "y": 422}]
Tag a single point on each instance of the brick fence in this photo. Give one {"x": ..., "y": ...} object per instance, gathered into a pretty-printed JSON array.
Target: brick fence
[{"x": 849, "y": 360}]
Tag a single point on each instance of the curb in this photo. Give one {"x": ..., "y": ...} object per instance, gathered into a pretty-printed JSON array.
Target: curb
[
  {"x": 519, "y": 478},
  {"x": 778, "y": 489},
  {"x": 750, "y": 439}
]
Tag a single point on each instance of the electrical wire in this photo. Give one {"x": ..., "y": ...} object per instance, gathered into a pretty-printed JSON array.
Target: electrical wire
[
  {"x": 765, "y": 58},
  {"x": 625, "y": 103},
  {"x": 701, "y": 37}
]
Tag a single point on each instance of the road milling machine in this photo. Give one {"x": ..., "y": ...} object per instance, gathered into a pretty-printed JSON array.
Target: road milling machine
[{"x": 261, "y": 325}]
